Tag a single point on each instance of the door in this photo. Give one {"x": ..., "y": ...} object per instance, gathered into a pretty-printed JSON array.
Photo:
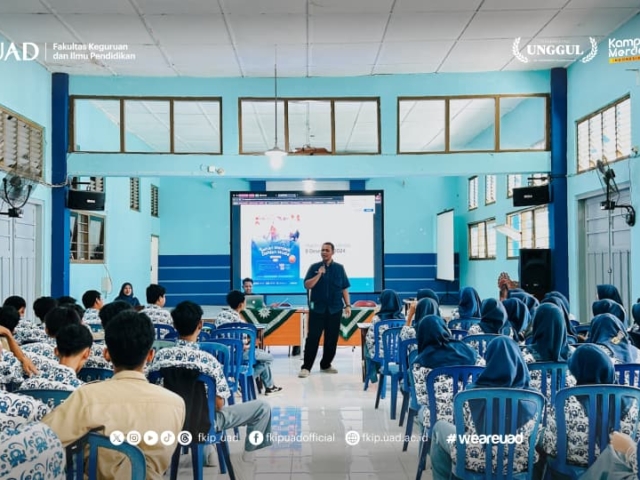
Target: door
[
  {"x": 601, "y": 263},
  {"x": 155, "y": 248}
]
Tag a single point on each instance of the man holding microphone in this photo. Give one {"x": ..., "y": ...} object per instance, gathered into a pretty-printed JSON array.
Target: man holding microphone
[{"x": 329, "y": 287}]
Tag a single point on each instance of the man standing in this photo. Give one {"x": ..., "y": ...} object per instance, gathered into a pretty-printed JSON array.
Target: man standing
[{"x": 329, "y": 287}]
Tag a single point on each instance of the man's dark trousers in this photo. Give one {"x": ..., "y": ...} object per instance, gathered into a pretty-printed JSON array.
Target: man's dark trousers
[{"x": 329, "y": 323}]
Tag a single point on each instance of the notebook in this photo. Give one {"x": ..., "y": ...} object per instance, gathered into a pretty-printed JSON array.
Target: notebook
[{"x": 254, "y": 301}]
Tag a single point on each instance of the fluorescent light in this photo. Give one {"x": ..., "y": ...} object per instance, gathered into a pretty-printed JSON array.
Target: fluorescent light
[
  {"x": 510, "y": 232},
  {"x": 276, "y": 157}
]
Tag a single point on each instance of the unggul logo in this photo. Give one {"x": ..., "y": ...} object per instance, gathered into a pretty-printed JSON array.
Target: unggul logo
[
  {"x": 26, "y": 53},
  {"x": 542, "y": 52},
  {"x": 624, "y": 50}
]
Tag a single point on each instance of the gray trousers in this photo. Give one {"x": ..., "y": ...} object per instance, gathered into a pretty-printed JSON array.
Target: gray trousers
[{"x": 256, "y": 415}]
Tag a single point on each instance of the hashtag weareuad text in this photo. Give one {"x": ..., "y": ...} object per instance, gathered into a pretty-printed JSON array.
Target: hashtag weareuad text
[{"x": 485, "y": 439}]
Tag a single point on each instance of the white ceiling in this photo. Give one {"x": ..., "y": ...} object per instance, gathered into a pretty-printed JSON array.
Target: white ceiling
[{"x": 233, "y": 38}]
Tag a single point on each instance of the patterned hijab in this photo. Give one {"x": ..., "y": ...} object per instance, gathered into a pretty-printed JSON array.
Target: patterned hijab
[
  {"x": 505, "y": 368},
  {"x": 609, "y": 306},
  {"x": 517, "y": 314},
  {"x": 390, "y": 305},
  {"x": 469, "y": 306},
  {"x": 437, "y": 348},
  {"x": 549, "y": 335},
  {"x": 610, "y": 292},
  {"x": 494, "y": 317},
  {"x": 425, "y": 306},
  {"x": 607, "y": 330}
]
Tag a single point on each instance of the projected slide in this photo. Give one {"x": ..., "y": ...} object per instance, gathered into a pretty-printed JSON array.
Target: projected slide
[
  {"x": 276, "y": 236},
  {"x": 445, "y": 245}
]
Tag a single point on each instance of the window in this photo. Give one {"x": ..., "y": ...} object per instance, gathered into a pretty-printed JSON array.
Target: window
[
  {"x": 21, "y": 145},
  {"x": 604, "y": 135},
  {"x": 154, "y": 201},
  {"x": 87, "y": 238},
  {"x": 513, "y": 181},
  {"x": 533, "y": 225},
  {"x": 489, "y": 189},
  {"x": 134, "y": 194},
  {"x": 482, "y": 240},
  {"x": 473, "y": 193}
]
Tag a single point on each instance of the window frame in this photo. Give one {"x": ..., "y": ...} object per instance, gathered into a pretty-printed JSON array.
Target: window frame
[
  {"x": 487, "y": 199},
  {"x": 35, "y": 168},
  {"x": 484, "y": 224},
  {"x": 470, "y": 180},
  {"x": 155, "y": 201},
  {"x": 134, "y": 194},
  {"x": 535, "y": 239},
  {"x": 75, "y": 233},
  {"x": 509, "y": 187}
]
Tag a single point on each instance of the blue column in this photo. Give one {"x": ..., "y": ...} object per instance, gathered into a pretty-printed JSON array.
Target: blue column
[
  {"x": 558, "y": 217},
  {"x": 357, "y": 185},
  {"x": 60, "y": 233},
  {"x": 258, "y": 186}
]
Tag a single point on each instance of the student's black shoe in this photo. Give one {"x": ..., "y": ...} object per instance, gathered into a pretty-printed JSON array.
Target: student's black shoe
[{"x": 272, "y": 391}]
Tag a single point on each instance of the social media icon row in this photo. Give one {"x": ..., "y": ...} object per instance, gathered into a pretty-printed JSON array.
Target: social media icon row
[{"x": 151, "y": 438}]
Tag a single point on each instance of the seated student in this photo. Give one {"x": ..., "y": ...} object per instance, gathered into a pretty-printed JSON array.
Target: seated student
[
  {"x": 505, "y": 368},
  {"x": 610, "y": 335},
  {"x": 155, "y": 303},
  {"x": 560, "y": 301},
  {"x": 35, "y": 453},
  {"x": 493, "y": 319},
  {"x": 262, "y": 368},
  {"x": 54, "y": 321},
  {"x": 18, "y": 409},
  {"x": 437, "y": 348},
  {"x": 609, "y": 306},
  {"x": 425, "y": 306},
  {"x": 609, "y": 291},
  {"x": 125, "y": 402},
  {"x": 73, "y": 346},
  {"x": 9, "y": 318},
  {"x": 34, "y": 332},
  {"x": 256, "y": 414},
  {"x": 518, "y": 316},
  {"x": 126, "y": 295},
  {"x": 634, "y": 331},
  {"x": 422, "y": 293},
  {"x": 92, "y": 301},
  {"x": 590, "y": 366},
  {"x": 469, "y": 305},
  {"x": 109, "y": 311},
  {"x": 390, "y": 309}
]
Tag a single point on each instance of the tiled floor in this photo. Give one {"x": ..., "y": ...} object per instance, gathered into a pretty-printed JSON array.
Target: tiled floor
[{"x": 325, "y": 405}]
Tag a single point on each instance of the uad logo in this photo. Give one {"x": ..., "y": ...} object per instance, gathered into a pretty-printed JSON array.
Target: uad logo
[{"x": 27, "y": 52}]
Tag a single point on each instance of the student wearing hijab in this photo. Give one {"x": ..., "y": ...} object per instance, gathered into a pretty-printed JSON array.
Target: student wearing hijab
[
  {"x": 610, "y": 335},
  {"x": 437, "y": 348},
  {"x": 634, "y": 332},
  {"x": 390, "y": 308},
  {"x": 505, "y": 368},
  {"x": 610, "y": 292},
  {"x": 126, "y": 295},
  {"x": 518, "y": 316},
  {"x": 609, "y": 306},
  {"x": 494, "y": 319},
  {"x": 590, "y": 366},
  {"x": 561, "y": 302},
  {"x": 422, "y": 293},
  {"x": 529, "y": 300},
  {"x": 469, "y": 305},
  {"x": 425, "y": 306}
]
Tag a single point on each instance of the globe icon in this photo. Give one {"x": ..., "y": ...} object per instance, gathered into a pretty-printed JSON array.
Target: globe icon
[{"x": 352, "y": 438}]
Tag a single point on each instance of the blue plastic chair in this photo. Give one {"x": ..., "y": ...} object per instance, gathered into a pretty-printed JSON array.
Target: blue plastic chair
[
  {"x": 234, "y": 364},
  {"x": 502, "y": 407},
  {"x": 461, "y": 376},
  {"x": 165, "y": 332},
  {"x": 458, "y": 334},
  {"x": 414, "y": 406},
  {"x": 463, "y": 324},
  {"x": 406, "y": 347},
  {"x": 553, "y": 377},
  {"x": 53, "y": 398},
  {"x": 479, "y": 342},
  {"x": 246, "y": 374},
  {"x": 133, "y": 453},
  {"x": 390, "y": 367},
  {"x": 628, "y": 374},
  {"x": 93, "y": 374},
  {"x": 604, "y": 412},
  {"x": 574, "y": 323},
  {"x": 378, "y": 355},
  {"x": 204, "y": 336},
  {"x": 208, "y": 327}
]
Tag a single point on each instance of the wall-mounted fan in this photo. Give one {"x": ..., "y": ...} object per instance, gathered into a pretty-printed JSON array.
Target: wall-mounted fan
[
  {"x": 611, "y": 190},
  {"x": 16, "y": 190}
]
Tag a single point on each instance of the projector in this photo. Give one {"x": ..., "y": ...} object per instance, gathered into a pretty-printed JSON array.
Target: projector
[{"x": 607, "y": 205}]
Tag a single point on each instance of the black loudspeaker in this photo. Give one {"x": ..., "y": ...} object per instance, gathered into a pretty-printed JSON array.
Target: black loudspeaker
[
  {"x": 535, "y": 271},
  {"x": 85, "y": 200},
  {"x": 528, "y": 196}
]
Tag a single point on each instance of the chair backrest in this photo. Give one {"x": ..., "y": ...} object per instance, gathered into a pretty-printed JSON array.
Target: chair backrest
[
  {"x": 479, "y": 342},
  {"x": 502, "y": 407},
  {"x": 412, "y": 381},
  {"x": 240, "y": 333},
  {"x": 208, "y": 327},
  {"x": 160, "y": 344},
  {"x": 220, "y": 351},
  {"x": 133, "y": 453},
  {"x": 553, "y": 377},
  {"x": 378, "y": 327},
  {"x": 628, "y": 374},
  {"x": 204, "y": 336},
  {"x": 391, "y": 346},
  {"x": 237, "y": 325},
  {"x": 463, "y": 323},
  {"x": 605, "y": 410},
  {"x": 93, "y": 374},
  {"x": 405, "y": 348},
  {"x": 458, "y": 334},
  {"x": 53, "y": 398},
  {"x": 460, "y": 375},
  {"x": 364, "y": 303},
  {"x": 234, "y": 364},
  {"x": 165, "y": 332}
]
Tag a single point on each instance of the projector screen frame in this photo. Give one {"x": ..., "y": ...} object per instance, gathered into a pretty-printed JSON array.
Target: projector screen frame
[
  {"x": 453, "y": 245},
  {"x": 236, "y": 265}
]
